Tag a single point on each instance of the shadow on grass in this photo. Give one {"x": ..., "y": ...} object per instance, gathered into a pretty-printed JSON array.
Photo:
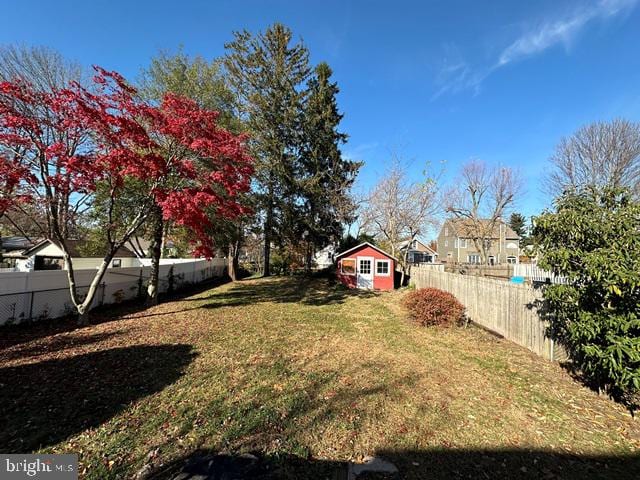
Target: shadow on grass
[
  {"x": 306, "y": 290},
  {"x": 411, "y": 465},
  {"x": 30, "y": 331},
  {"x": 56, "y": 344},
  {"x": 44, "y": 403}
]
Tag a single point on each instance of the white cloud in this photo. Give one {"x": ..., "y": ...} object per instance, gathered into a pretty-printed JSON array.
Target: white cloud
[
  {"x": 359, "y": 151},
  {"x": 458, "y": 75},
  {"x": 563, "y": 30}
]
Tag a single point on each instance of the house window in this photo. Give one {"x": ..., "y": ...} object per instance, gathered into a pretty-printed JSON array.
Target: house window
[
  {"x": 446, "y": 243},
  {"x": 446, "y": 232},
  {"x": 116, "y": 263},
  {"x": 348, "y": 266},
  {"x": 365, "y": 267},
  {"x": 382, "y": 267},
  {"x": 463, "y": 243},
  {"x": 48, "y": 263},
  {"x": 511, "y": 260},
  {"x": 474, "y": 258}
]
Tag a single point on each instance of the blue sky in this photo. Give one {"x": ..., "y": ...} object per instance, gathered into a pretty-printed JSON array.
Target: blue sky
[{"x": 449, "y": 81}]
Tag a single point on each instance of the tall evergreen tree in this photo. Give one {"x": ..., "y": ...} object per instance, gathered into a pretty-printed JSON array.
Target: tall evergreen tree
[
  {"x": 327, "y": 176},
  {"x": 517, "y": 222},
  {"x": 268, "y": 74}
]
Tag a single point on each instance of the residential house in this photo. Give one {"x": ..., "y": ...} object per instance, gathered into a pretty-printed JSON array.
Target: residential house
[
  {"x": 419, "y": 252},
  {"x": 47, "y": 255},
  {"x": 456, "y": 245},
  {"x": 8, "y": 245},
  {"x": 323, "y": 258}
]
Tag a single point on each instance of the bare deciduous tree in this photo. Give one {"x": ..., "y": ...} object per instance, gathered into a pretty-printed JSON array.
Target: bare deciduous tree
[
  {"x": 602, "y": 153},
  {"x": 481, "y": 199},
  {"x": 42, "y": 67},
  {"x": 400, "y": 209},
  {"x": 46, "y": 70}
]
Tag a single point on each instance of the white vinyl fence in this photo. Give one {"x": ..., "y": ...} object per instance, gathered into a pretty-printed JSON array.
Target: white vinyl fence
[
  {"x": 45, "y": 294},
  {"x": 536, "y": 274},
  {"x": 505, "y": 308}
]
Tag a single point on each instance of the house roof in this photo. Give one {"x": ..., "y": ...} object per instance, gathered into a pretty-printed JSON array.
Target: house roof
[
  {"x": 138, "y": 243},
  {"x": 464, "y": 228},
  {"x": 9, "y": 244},
  {"x": 74, "y": 247},
  {"x": 402, "y": 245},
  {"x": 364, "y": 244}
]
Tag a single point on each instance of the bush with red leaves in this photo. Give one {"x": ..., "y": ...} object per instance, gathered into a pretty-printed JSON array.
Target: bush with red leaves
[{"x": 430, "y": 306}]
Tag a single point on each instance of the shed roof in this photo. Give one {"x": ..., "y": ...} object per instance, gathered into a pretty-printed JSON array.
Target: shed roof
[{"x": 364, "y": 244}]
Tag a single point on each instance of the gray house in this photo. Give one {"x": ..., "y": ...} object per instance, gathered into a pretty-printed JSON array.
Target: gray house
[{"x": 456, "y": 242}]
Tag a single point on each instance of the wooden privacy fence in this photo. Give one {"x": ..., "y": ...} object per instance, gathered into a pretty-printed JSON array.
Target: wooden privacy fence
[{"x": 507, "y": 309}]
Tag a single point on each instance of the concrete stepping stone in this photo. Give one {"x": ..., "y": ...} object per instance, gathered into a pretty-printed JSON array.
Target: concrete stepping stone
[{"x": 370, "y": 464}]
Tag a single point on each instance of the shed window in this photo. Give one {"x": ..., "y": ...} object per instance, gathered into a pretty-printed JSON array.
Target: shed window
[
  {"x": 348, "y": 266},
  {"x": 382, "y": 267},
  {"x": 117, "y": 263}
]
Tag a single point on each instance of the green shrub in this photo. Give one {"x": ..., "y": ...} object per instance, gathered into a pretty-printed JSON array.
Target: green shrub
[
  {"x": 593, "y": 239},
  {"x": 430, "y": 306}
]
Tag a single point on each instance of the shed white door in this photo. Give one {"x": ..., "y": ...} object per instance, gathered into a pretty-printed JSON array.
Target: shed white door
[{"x": 365, "y": 273}]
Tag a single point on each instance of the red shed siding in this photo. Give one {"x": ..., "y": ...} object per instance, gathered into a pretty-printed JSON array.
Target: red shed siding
[{"x": 379, "y": 282}]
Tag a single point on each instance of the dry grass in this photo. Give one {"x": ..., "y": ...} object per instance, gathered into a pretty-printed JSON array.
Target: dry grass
[{"x": 308, "y": 375}]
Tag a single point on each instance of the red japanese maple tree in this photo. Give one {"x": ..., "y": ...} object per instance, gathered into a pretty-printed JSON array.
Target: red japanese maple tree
[{"x": 74, "y": 140}]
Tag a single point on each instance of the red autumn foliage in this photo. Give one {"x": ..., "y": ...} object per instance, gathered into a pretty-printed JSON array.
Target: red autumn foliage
[
  {"x": 430, "y": 306},
  {"x": 84, "y": 137},
  {"x": 63, "y": 144}
]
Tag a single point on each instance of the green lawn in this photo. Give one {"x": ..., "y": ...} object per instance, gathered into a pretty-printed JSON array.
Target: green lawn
[{"x": 308, "y": 376}]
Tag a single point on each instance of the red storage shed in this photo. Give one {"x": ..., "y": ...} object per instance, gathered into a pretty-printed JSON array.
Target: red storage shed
[{"x": 367, "y": 267}]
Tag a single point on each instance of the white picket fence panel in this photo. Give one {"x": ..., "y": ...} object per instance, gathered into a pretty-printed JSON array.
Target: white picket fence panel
[{"x": 534, "y": 273}]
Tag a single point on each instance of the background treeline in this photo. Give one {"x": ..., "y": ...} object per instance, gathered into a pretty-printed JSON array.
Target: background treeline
[{"x": 263, "y": 88}]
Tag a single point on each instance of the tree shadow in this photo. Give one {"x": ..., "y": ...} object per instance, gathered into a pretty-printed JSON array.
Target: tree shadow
[
  {"x": 44, "y": 403},
  {"x": 11, "y": 335},
  {"x": 306, "y": 290},
  {"x": 411, "y": 464},
  {"x": 56, "y": 344},
  {"x": 562, "y": 351}
]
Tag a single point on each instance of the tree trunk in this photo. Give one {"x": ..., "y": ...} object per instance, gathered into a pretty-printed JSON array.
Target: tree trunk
[
  {"x": 309, "y": 259},
  {"x": 156, "y": 253},
  {"x": 233, "y": 261},
  {"x": 268, "y": 222},
  {"x": 405, "y": 257},
  {"x": 83, "y": 318},
  {"x": 83, "y": 308}
]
